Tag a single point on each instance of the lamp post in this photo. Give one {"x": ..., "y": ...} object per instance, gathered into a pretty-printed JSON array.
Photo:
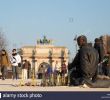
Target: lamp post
[
  {"x": 33, "y": 62},
  {"x": 75, "y": 39},
  {"x": 62, "y": 56},
  {"x": 50, "y": 57},
  {"x": 33, "y": 67},
  {"x": 51, "y": 81}
]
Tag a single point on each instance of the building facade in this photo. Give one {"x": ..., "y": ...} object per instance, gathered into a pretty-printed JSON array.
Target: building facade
[
  {"x": 106, "y": 43},
  {"x": 46, "y": 54}
]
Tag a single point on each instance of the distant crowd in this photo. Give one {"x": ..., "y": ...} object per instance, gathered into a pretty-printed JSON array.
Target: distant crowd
[
  {"x": 47, "y": 74},
  {"x": 13, "y": 63}
]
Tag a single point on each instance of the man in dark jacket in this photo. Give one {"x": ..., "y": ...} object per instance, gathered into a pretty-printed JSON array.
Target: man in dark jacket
[
  {"x": 98, "y": 45},
  {"x": 84, "y": 64}
]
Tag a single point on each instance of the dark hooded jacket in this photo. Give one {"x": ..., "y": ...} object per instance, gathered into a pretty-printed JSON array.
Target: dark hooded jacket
[
  {"x": 86, "y": 61},
  {"x": 99, "y": 47}
]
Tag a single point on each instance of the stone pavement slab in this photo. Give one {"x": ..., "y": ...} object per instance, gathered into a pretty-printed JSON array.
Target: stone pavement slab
[{"x": 10, "y": 85}]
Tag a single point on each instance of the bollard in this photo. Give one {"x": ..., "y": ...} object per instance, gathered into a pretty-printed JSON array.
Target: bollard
[
  {"x": 22, "y": 80},
  {"x": 33, "y": 82}
]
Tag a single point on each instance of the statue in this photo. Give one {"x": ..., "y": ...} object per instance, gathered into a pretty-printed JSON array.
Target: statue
[
  {"x": 38, "y": 41},
  {"x": 33, "y": 52},
  {"x": 50, "y": 53},
  {"x": 41, "y": 41},
  {"x": 45, "y": 41},
  {"x": 62, "y": 53},
  {"x": 50, "y": 41}
]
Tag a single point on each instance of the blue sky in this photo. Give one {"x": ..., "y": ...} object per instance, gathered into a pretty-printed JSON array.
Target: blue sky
[{"x": 23, "y": 21}]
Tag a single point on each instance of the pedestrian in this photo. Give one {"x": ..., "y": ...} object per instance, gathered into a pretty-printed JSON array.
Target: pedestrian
[
  {"x": 57, "y": 73},
  {"x": 98, "y": 45},
  {"x": 25, "y": 70},
  {"x": 108, "y": 65},
  {"x": 63, "y": 69},
  {"x": 49, "y": 74},
  {"x": 4, "y": 62},
  {"x": 63, "y": 73},
  {"x": 15, "y": 61},
  {"x": 43, "y": 75},
  {"x": 40, "y": 72},
  {"x": 57, "y": 68},
  {"x": 105, "y": 67}
]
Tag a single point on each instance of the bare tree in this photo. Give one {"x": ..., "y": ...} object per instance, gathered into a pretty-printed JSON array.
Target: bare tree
[{"x": 3, "y": 41}]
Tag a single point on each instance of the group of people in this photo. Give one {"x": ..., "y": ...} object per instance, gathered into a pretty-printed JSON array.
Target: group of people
[
  {"x": 6, "y": 61},
  {"x": 13, "y": 62},
  {"x": 103, "y": 66},
  {"x": 53, "y": 75},
  {"x": 88, "y": 62}
]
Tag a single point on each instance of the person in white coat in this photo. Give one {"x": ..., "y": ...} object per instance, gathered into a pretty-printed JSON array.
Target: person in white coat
[{"x": 15, "y": 60}]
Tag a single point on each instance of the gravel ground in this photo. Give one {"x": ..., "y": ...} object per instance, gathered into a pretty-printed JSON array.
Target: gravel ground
[{"x": 14, "y": 85}]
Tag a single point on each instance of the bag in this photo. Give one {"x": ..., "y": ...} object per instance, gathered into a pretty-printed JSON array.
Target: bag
[
  {"x": 19, "y": 64},
  {"x": 1, "y": 69}
]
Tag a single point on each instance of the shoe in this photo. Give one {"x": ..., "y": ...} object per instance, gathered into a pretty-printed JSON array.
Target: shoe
[{"x": 84, "y": 86}]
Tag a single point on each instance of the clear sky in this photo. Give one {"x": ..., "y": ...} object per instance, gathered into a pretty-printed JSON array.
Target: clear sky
[{"x": 23, "y": 21}]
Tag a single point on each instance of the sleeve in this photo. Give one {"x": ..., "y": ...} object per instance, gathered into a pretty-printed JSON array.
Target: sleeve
[
  {"x": 85, "y": 60},
  {"x": 12, "y": 60},
  {"x": 101, "y": 53},
  {"x": 75, "y": 62},
  {"x": 18, "y": 58},
  {"x": 8, "y": 60}
]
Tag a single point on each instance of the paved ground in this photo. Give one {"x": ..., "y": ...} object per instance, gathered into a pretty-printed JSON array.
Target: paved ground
[{"x": 10, "y": 85}]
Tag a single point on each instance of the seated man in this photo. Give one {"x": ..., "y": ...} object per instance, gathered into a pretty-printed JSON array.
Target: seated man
[{"x": 84, "y": 64}]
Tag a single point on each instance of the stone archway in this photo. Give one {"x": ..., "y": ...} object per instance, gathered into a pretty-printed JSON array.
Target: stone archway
[
  {"x": 42, "y": 69},
  {"x": 45, "y": 64}
]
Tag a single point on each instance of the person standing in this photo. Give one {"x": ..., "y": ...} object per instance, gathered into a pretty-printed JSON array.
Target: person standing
[
  {"x": 57, "y": 68},
  {"x": 40, "y": 72},
  {"x": 105, "y": 67},
  {"x": 5, "y": 62},
  {"x": 25, "y": 69},
  {"x": 63, "y": 73},
  {"x": 108, "y": 65},
  {"x": 98, "y": 45},
  {"x": 63, "y": 69},
  {"x": 15, "y": 60},
  {"x": 49, "y": 74},
  {"x": 43, "y": 71},
  {"x": 56, "y": 72}
]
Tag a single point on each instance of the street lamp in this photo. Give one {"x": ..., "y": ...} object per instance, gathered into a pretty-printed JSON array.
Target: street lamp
[
  {"x": 75, "y": 39},
  {"x": 50, "y": 57},
  {"x": 33, "y": 62},
  {"x": 62, "y": 56}
]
